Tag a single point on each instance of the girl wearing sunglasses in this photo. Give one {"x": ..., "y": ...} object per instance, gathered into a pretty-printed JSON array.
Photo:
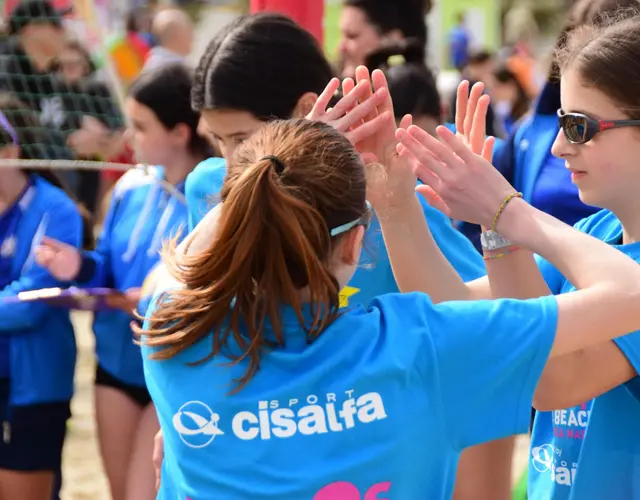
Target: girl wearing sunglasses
[
  {"x": 584, "y": 439},
  {"x": 527, "y": 162}
]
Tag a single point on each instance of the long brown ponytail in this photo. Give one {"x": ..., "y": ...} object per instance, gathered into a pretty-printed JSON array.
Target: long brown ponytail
[{"x": 286, "y": 188}]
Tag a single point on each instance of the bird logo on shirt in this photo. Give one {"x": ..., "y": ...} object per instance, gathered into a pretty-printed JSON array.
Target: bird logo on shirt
[
  {"x": 196, "y": 424},
  {"x": 345, "y": 293}
]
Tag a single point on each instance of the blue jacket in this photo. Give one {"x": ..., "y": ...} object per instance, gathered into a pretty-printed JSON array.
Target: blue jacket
[
  {"x": 141, "y": 217},
  {"x": 42, "y": 346}
]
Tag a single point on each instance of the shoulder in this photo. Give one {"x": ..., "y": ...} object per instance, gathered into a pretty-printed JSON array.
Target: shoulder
[
  {"x": 404, "y": 310},
  {"x": 133, "y": 179},
  {"x": 206, "y": 179},
  {"x": 603, "y": 225},
  {"x": 206, "y": 171},
  {"x": 51, "y": 198}
]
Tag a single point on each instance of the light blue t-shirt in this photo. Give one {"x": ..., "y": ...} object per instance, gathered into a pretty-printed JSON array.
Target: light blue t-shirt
[
  {"x": 591, "y": 451},
  {"x": 378, "y": 406},
  {"x": 374, "y": 276}
]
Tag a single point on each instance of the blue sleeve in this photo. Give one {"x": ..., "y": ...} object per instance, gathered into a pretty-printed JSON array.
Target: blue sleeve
[
  {"x": 102, "y": 264},
  {"x": 489, "y": 356},
  {"x": 555, "y": 280},
  {"x": 63, "y": 223},
  {"x": 454, "y": 246},
  {"x": 202, "y": 188}
]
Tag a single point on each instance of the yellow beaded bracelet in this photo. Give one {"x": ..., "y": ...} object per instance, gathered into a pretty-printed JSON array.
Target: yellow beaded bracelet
[{"x": 502, "y": 207}]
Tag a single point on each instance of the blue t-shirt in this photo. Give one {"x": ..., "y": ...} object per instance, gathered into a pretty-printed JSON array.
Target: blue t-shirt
[
  {"x": 555, "y": 194},
  {"x": 591, "y": 450},
  {"x": 459, "y": 41},
  {"x": 374, "y": 275},
  {"x": 380, "y": 405}
]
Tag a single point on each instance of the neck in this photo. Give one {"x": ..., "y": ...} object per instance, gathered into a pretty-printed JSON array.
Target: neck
[
  {"x": 630, "y": 219},
  {"x": 177, "y": 170},
  {"x": 12, "y": 184},
  {"x": 40, "y": 61}
]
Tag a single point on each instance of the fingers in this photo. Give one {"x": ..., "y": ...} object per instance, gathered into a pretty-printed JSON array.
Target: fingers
[
  {"x": 347, "y": 87},
  {"x": 433, "y": 199},
  {"x": 53, "y": 243},
  {"x": 423, "y": 162},
  {"x": 380, "y": 81},
  {"x": 456, "y": 145},
  {"x": 348, "y": 102},
  {"x": 487, "y": 148},
  {"x": 472, "y": 104},
  {"x": 44, "y": 256},
  {"x": 462, "y": 100},
  {"x": 368, "y": 129},
  {"x": 324, "y": 99},
  {"x": 406, "y": 122},
  {"x": 362, "y": 76},
  {"x": 361, "y": 112},
  {"x": 428, "y": 150},
  {"x": 478, "y": 133}
]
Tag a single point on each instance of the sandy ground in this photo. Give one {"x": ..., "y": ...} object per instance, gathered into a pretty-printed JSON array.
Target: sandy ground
[{"x": 82, "y": 468}]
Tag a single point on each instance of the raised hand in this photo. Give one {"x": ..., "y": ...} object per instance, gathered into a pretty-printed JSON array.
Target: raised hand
[
  {"x": 466, "y": 185},
  {"x": 63, "y": 261},
  {"x": 355, "y": 115},
  {"x": 471, "y": 118}
]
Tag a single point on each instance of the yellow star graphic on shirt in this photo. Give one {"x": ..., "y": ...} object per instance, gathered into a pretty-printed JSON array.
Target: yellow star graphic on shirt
[{"x": 345, "y": 293}]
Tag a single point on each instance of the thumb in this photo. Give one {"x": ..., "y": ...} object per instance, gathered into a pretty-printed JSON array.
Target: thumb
[
  {"x": 433, "y": 199},
  {"x": 487, "y": 148},
  {"x": 406, "y": 122},
  {"x": 44, "y": 256}
]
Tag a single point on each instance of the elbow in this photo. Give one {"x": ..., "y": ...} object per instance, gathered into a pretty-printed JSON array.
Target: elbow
[
  {"x": 558, "y": 396},
  {"x": 544, "y": 401}
]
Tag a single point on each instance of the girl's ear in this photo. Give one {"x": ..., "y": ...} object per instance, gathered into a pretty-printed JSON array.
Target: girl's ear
[{"x": 305, "y": 104}]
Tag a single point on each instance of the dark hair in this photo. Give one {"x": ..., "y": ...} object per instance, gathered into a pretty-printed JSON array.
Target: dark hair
[
  {"x": 29, "y": 133},
  {"x": 166, "y": 91},
  {"x": 273, "y": 239},
  {"x": 587, "y": 12},
  {"x": 78, "y": 47},
  {"x": 504, "y": 75},
  {"x": 135, "y": 19},
  {"x": 408, "y": 16},
  {"x": 479, "y": 56},
  {"x": 412, "y": 85},
  {"x": 607, "y": 58},
  {"x": 263, "y": 64}
]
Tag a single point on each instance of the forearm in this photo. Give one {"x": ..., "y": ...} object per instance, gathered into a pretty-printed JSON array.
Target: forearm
[
  {"x": 580, "y": 376},
  {"x": 583, "y": 260},
  {"x": 416, "y": 260},
  {"x": 515, "y": 275}
]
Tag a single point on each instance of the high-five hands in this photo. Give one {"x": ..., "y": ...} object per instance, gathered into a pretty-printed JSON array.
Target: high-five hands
[
  {"x": 471, "y": 129},
  {"x": 456, "y": 171}
]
